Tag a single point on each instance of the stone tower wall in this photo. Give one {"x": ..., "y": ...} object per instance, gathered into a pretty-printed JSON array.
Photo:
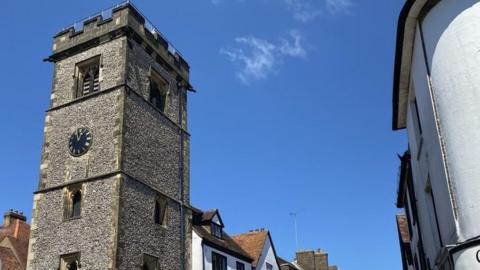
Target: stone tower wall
[
  {"x": 93, "y": 235},
  {"x": 135, "y": 156},
  {"x": 312, "y": 260},
  {"x": 138, "y": 233}
]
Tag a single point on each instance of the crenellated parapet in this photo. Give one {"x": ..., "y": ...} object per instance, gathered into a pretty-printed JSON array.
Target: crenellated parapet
[{"x": 123, "y": 19}]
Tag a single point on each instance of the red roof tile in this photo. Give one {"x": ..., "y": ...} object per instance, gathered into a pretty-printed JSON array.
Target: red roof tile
[{"x": 252, "y": 243}]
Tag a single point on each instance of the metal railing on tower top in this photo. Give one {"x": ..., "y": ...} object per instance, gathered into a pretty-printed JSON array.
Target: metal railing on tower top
[{"x": 107, "y": 14}]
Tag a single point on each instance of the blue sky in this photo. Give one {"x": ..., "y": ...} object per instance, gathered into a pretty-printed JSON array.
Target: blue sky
[{"x": 292, "y": 114}]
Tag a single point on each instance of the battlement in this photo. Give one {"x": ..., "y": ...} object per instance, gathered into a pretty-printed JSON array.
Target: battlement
[{"x": 122, "y": 19}]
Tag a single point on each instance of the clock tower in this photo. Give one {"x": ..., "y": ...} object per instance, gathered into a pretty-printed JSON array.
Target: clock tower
[{"x": 113, "y": 191}]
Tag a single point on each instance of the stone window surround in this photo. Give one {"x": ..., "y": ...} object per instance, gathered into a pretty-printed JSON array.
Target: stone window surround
[
  {"x": 68, "y": 258},
  {"x": 69, "y": 191},
  {"x": 156, "y": 76},
  {"x": 162, "y": 203},
  {"x": 151, "y": 257},
  {"x": 95, "y": 60}
]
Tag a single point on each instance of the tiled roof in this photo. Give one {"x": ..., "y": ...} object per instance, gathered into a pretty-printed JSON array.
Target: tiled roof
[
  {"x": 252, "y": 242},
  {"x": 402, "y": 226},
  {"x": 15, "y": 237},
  {"x": 8, "y": 259},
  {"x": 208, "y": 215},
  {"x": 202, "y": 227},
  {"x": 225, "y": 244}
]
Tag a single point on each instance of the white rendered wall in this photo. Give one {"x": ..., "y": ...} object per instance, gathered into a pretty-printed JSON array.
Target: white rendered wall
[
  {"x": 197, "y": 252},
  {"x": 202, "y": 256},
  {"x": 452, "y": 38},
  {"x": 451, "y": 32},
  {"x": 427, "y": 163},
  {"x": 267, "y": 256}
]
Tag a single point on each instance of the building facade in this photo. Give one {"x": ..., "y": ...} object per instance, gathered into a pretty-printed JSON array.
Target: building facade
[
  {"x": 113, "y": 191},
  {"x": 212, "y": 247},
  {"x": 436, "y": 98}
]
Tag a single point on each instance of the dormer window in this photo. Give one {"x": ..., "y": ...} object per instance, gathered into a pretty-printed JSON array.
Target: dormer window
[
  {"x": 88, "y": 77},
  {"x": 217, "y": 230}
]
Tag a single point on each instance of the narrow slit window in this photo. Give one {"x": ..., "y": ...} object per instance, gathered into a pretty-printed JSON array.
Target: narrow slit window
[
  {"x": 160, "y": 210},
  {"x": 419, "y": 124},
  {"x": 76, "y": 203},
  {"x": 158, "y": 91}
]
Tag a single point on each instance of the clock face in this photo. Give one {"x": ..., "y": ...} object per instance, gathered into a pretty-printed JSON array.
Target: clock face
[{"x": 80, "y": 141}]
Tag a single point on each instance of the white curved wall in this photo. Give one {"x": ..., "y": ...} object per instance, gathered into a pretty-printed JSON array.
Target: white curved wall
[{"x": 452, "y": 39}]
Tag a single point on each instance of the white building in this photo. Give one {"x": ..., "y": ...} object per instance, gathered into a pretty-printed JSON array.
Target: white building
[
  {"x": 214, "y": 249},
  {"x": 436, "y": 97}
]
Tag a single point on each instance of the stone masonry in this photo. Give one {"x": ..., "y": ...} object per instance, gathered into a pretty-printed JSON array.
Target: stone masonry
[{"x": 138, "y": 153}]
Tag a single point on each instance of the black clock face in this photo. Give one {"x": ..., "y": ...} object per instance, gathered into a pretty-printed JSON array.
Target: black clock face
[{"x": 80, "y": 141}]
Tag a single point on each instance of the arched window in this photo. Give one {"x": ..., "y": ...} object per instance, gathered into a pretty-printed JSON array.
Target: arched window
[
  {"x": 157, "y": 212},
  {"x": 76, "y": 204}
]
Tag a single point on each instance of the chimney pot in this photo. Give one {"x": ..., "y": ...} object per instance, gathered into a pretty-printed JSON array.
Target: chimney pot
[{"x": 11, "y": 215}]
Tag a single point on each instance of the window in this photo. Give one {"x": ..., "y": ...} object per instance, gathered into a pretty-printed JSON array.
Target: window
[
  {"x": 269, "y": 266},
  {"x": 219, "y": 262},
  {"x": 160, "y": 211},
  {"x": 419, "y": 124},
  {"x": 240, "y": 266},
  {"x": 73, "y": 202},
  {"x": 88, "y": 77},
  {"x": 150, "y": 263},
  {"x": 70, "y": 261},
  {"x": 158, "y": 91},
  {"x": 216, "y": 230}
]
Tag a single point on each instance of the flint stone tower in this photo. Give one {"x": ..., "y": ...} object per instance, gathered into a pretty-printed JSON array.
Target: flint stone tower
[{"x": 113, "y": 191}]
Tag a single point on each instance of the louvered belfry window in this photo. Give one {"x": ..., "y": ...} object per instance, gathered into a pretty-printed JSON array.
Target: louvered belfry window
[
  {"x": 88, "y": 77},
  {"x": 90, "y": 81}
]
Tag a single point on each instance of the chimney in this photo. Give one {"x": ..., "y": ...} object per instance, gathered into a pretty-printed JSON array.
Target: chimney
[
  {"x": 10, "y": 216},
  {"x": 312, "y": 259}
]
